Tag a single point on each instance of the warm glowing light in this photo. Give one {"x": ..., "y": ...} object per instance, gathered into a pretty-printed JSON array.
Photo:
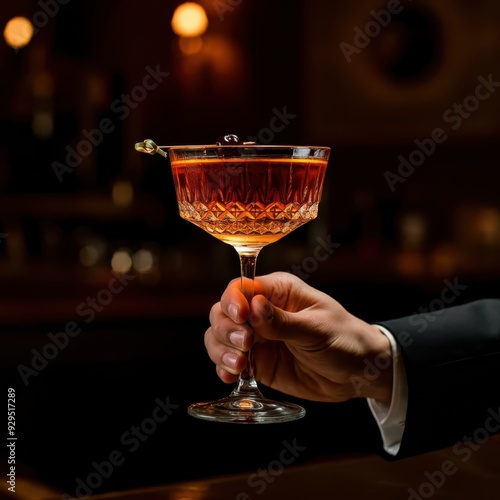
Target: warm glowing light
[
  {"x": 190, "y": 45},
  {"x": 142, "y": 261},
  {"x": 246, "y": 403},
  {"x": 189, "y": 19},
  {"x": 89, "y": 255},
  {"x": 43, "y": 124},
  {"x": 121, "y": 262},
  {"x": 122, "y": 193},
  {"x": 488, "y": 225},
  {"x": 92, "y": 252},
  {"x": 18, "y": 32}
]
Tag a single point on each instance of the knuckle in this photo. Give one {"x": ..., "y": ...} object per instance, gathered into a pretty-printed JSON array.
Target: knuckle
[
  {"x": 214, "y": 311},
  {"x": 216, "y": 329},
  {"x": 206, "y": 339}
]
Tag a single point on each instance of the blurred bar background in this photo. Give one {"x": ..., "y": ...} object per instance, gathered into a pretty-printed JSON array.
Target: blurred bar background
[
  {"x": 405, "y": 93},
  {"x": 75, "y": 194}
]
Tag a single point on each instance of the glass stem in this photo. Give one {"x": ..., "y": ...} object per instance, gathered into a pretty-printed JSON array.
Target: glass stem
[{"x": 247, "y": 384}]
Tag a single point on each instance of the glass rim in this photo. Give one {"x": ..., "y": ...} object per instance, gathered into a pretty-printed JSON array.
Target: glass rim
[{"x": 244, "y": 146}]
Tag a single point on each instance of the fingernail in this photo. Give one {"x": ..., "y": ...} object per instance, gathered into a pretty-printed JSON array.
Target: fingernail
[
  {"x": 268, "y": 311},
  {"x": 233, "y": 310},
  {"x": 257, "y": 320},
  {"x": 237, "y": 339},
  {"x": 229, "y": 359}
]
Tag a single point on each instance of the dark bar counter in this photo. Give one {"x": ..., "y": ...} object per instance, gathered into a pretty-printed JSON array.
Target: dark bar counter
[{"x": 348, "y": 476}]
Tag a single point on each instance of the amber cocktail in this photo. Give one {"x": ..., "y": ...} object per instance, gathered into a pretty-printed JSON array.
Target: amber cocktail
[{"x": 247, "y": 196}]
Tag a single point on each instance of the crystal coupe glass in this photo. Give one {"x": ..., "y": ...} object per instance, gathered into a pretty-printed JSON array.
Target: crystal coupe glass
[{"x": 247, "y": 196}]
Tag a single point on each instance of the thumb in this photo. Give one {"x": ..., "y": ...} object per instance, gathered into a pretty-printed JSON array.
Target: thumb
[{"x": 273, "y": 323}]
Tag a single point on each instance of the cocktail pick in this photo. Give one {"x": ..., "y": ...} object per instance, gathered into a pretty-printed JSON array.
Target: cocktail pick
[{"x": 150, "y": 147}]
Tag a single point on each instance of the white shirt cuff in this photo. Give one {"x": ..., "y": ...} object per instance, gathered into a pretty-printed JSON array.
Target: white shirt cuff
[{"x": 391, "y": 418}]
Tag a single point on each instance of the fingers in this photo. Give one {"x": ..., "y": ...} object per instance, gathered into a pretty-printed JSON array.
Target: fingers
[
  {"x": 226, "y": 343},
  {"x": 225, "y": 376},
  {"x": 227, "y": 357},
  {"x": 287, "y": 291},
  {"x": 269, "y": 321},
  {"x": 233, "y": 303},
  {"x": 272, "y": 323},
  {"x": 230, "y": 336},
  {"x": 277, "y": 287},
  {"x": 284, "y": 290},
  {"x": 225, "y": 332}
]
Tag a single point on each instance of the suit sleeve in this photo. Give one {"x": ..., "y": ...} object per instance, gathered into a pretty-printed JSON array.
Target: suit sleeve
[{"x": 452, "y": 362}]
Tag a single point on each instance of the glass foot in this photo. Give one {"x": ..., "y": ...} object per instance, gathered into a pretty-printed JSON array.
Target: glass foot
[
  {"x": 246, "y": 405},
  {"x": 246, "y": 410}
]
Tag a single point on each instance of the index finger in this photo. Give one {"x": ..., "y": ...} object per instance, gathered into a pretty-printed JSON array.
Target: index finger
[{"x": 233, "y": 302}]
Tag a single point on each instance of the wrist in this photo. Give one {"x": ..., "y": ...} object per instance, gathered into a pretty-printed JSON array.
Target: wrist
[{"x": 377, "y": 366}]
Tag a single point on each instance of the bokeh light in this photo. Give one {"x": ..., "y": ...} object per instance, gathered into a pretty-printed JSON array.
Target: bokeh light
[
  {"x": 190, "y": 45},
  {"x": 142, "y": 261},
  {"x": 18, "y": 32},
  {"x": 121, "y": 262},
  {"x": 189, "y": 20},
  {"x": 92, "y": 251},
  {"x": 89, "y": 255},
  {"x": 122, "y": 193}
]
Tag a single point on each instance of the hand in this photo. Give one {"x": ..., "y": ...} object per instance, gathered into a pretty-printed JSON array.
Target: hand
[{"x": 304, "y": 342}]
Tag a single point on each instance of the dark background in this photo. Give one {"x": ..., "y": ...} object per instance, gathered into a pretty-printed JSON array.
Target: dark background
[{"x": 396, "y": 246}]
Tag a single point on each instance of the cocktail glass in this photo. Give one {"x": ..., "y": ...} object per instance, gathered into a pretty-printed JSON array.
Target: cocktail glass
[{"x": 247, "y": 196}]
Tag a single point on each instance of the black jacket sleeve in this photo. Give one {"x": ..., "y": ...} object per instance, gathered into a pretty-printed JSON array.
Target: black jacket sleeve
[{"x": 452, "y": 361}]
